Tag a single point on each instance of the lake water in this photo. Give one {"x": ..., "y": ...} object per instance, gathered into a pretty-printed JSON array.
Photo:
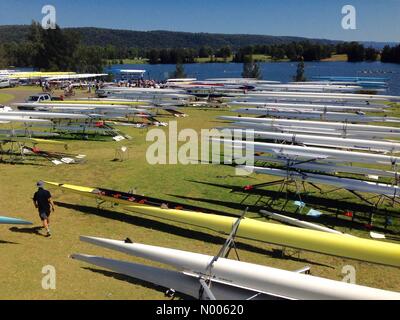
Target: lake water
[{"x": 278, "y": 71}]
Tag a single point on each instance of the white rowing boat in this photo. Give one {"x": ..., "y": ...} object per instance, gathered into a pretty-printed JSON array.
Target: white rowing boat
[
  {"x": 323, "y": 141},
  {"x": 391, "y": 191},
  {"x": 313, "y": 152},
  {"x": 270, "y": 281},
  {"x": 319, "y": 115}
]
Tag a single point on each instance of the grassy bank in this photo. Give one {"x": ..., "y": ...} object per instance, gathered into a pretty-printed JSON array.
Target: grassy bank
[
  {"x": 336, "y": 58},
  {"x": 256, "y": 57},
  {"x": 24, "y": 252},
  {"x": 5, "y": 97},
  {"x": 127, "y": 61}
]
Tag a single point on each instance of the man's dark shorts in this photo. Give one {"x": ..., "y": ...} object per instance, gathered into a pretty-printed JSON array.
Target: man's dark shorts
[{"x": 44, "y": 215}]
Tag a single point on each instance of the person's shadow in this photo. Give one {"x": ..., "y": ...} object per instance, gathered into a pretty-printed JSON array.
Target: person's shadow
[{"x": 34, "y": 230}]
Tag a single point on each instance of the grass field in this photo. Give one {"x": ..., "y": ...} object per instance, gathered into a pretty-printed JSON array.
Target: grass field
[
  {"x": 335, "y": 58},
  {"x": 5, "y": 97},
  {"x": 24, "y": 251},
  {"x": 129, "y": 61},
  {"x": 215, "y": 59},
  {"x": 256, "y": 58}
]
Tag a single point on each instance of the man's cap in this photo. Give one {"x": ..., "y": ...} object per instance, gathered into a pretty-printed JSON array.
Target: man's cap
[{"x": 40, "y": 184}]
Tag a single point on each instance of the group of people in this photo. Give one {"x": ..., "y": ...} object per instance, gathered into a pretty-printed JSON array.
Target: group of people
[
  {"x": 46, "y": 86},
  {"x": 68, "y": 86},
  {"x": 139, "y": 83}
]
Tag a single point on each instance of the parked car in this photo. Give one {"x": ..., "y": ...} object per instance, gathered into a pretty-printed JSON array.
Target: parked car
[
  {"x": 40, "y": 97},
  {"x": 5, "y": 83}
]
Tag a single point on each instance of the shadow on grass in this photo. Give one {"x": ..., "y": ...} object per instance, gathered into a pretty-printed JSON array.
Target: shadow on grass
[
  {"x": 7, "y": 242},
  {"x": 179, "y": 231},
  {"x": 328, "y": 221},
  {"x": 135, "y": 281},
  {"x": 34, "y": 230},
  {"x": 22, "y": 163},
  {"x": 333, "y": 206}
]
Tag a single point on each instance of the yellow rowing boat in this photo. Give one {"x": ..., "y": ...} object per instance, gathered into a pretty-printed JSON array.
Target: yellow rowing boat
[
  {"x": 316, "y": 241},
  {"x": 98, "y": 102}
]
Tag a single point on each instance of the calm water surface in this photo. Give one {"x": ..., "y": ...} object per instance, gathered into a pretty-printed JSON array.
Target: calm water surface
[{"x": 278, "y": 71}]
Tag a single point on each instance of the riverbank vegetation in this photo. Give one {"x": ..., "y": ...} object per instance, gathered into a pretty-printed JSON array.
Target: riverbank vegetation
[{"x": 68, "y": 50}]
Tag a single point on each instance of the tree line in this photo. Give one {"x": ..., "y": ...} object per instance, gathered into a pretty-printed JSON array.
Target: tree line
[
  {"x": 61, "y": 49},
  {"x": 52, "y": 50},
  {"x": 154, "y": 39},
  {"x": 294, "y": 51}
]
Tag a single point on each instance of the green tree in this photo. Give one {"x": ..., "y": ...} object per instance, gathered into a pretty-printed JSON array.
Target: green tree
[
  {"x": 386, "y": 54},
  {"x": 224, "y": 52},
  {"x": 277, "y": 53},
  {"x": 205, "y": 52},
  {"x": 88, "y": 60},
  {"x": 21, "y": 55},
  {"x": 179, "y": 72},
  {"x": 154, "y": 56},
  {"x": 251, "y": 69},
  {"x": 3, "y": 61},
  {"x": 291, "y": 52},
  {"x": 371, "y": 54},
  {"x": 52, "y": 49},
  {"x": 300, "y": 76},
  {"x": 391, "y": 54},
  {"x": 355, "y": 52}
]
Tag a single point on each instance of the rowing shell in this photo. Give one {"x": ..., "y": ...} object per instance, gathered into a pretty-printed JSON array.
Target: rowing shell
[
  {"x": 263, "y": 279},
  {"x": 183, "y": 282},
  {"x": 316, "y": 241},
  {"x": 7, "y": 220}
]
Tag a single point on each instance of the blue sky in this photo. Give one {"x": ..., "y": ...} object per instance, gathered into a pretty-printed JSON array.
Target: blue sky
[{"x": 377, "y": 20}]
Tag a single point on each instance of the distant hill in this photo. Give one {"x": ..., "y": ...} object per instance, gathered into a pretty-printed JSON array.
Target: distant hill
[
  {"x": 378, "y": 45},
  {"x": 157, "y": 39},
  {"x": 13, "y": 33},
  {"x": 168, "y": 39}
]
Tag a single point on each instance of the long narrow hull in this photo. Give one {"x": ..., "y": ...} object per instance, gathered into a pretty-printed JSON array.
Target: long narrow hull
[
  {"x": 298, "y": 223},
  {"x": 326, "y": 167},
  {"x": 310, "y": 240},
  {"x": 320, "y": 140},
  {"x": 98, "y": 102},
  {"x": 181, "y": 282},
  {"x": 8, "y": 119},
  {"x": 306, "y": 106},
  {"x": 315, "y": 115},
  {"x": 128, "y": 199},
  {"x": 7, "y": 220},
  {"x": 322, "y": 96},
  {"x": 345, "y": 183},
  {"x": 311, "y": 130},
  {"x": 44, "y": 115},
  {"x": 256, "y": 277},
  {"x": 313, "y": 152},
  {"x": 313, "y": 124}
]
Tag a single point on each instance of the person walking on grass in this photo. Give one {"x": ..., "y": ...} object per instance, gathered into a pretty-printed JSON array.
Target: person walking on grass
[{"x": 43, "y": 202}]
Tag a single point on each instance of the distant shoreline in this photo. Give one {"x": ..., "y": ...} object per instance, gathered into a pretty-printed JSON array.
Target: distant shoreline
[{"x": 257, "y": 58}]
